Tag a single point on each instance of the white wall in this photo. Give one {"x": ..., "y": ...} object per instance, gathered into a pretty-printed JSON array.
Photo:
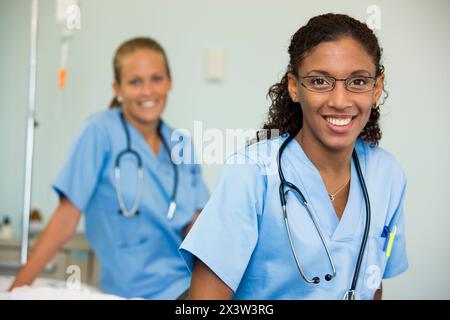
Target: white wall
[{"x": 255, "y": 35}]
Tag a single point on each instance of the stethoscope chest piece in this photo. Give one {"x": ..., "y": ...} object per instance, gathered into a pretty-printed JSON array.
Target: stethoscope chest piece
[
  {"x": 349, "y": 295},
  {"x": 171, "y": 210}
]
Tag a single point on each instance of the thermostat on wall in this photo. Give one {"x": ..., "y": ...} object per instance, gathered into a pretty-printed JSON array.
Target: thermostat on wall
[{"x": 215, "y": 64}]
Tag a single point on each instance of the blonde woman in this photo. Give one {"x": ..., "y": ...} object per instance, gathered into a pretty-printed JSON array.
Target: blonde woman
[{"x": 138, "y": 202}]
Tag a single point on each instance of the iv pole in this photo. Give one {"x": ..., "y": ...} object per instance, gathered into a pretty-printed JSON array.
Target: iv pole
[{"x": 31, "y": 118}]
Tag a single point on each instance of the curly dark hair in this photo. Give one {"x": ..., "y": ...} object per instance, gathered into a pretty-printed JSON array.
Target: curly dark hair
[{"x": 285, "y": 114}]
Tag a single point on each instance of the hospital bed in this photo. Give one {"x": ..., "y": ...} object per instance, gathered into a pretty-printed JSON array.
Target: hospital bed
[{"x": 50, "y": 289}]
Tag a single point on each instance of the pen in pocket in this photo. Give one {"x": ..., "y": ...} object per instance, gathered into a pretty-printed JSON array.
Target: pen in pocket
[{"x": 390, "y": 241}]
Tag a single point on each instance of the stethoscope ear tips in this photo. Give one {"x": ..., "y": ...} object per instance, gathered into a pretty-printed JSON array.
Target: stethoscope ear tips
[
  {"x": 128, "y": 214},
  {"x": 316, "y": 280}
]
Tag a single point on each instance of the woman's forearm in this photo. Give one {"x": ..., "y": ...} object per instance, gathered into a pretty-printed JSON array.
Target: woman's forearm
[{"x": 60, "y": 229}]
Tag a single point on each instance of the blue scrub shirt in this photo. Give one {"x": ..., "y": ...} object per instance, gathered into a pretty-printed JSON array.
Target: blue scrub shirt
[
  {"x": 241, "y": 234},
  {"x": 139, "y": 255}
]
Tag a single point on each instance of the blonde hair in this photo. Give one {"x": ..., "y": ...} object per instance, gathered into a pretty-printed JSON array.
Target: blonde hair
[{"x": 129, "y": 47}]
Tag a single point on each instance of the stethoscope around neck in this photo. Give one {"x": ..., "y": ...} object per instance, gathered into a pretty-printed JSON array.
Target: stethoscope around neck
[
  {"x": 140, "y": 171},
  {"x": 350, "y": 294}
]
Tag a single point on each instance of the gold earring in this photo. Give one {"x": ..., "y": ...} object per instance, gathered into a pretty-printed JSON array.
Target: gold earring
[
  {"x": 375, "y": 106},
  {"x": 119, "y": 98},
  {"x": 294, "y": 99}
]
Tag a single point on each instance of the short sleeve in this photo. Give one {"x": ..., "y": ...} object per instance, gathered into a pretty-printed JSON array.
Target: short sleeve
[
  {"x": 79, "y": 175},
  {"x": 200, "y": 189},
  {"x": 226, "y": 232},
  {"x": 398, "y": 261}
]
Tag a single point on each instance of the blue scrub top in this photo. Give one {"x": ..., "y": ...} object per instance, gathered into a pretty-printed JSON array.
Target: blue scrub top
[
  {"x": 241, "y": 235},
  {"x": 139, "y": 255}
]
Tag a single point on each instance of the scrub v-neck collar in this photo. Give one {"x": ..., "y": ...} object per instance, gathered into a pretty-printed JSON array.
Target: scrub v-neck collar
[{"x": 307, "y": 177}]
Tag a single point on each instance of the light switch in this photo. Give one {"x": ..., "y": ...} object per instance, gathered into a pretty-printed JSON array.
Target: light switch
[{"x": 215, "y": 64}]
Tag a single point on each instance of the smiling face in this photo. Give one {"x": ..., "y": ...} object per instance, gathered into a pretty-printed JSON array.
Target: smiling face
[
  {"x": 144, "y": 86},
  {"x": 335, "y": 119}
]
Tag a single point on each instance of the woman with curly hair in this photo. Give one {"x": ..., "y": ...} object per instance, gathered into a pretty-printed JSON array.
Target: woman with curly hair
[{"x": 328, "y": 222}]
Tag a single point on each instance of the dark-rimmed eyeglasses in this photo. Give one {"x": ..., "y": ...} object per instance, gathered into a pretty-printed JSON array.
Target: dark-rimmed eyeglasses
[{"x": 356, "y": 84}]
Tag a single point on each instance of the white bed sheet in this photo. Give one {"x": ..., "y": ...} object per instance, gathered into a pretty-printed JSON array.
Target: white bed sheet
[{"x": 49, "y": 289}]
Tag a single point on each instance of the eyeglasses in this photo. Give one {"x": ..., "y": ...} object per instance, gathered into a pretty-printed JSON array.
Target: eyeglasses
[{"x": 327, "y": 83}]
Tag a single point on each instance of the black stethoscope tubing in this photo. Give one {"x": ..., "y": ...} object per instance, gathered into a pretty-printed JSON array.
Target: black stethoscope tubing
[
  {"x": 129, "y": 150},
  {"x": 350, "y": 294}
]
